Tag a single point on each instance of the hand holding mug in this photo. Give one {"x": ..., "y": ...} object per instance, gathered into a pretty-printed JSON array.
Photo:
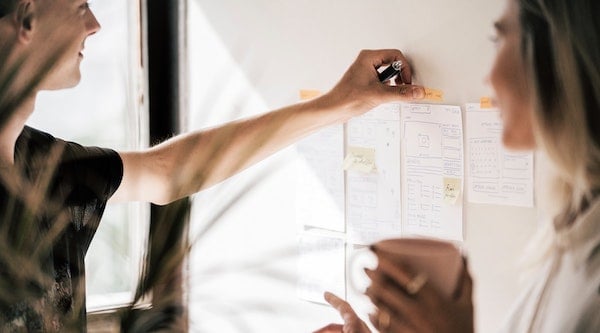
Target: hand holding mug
[{"x": 420, "y": 285}]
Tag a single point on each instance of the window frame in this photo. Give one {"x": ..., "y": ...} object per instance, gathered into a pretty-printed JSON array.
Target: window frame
[
  {"x": 137, "y": 213},
  {"x": 162, "y": 37}
]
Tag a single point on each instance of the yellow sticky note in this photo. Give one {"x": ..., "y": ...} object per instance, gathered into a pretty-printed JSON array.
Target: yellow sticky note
[
  {"x": 434, "y": 95},
  {"x": 452, "y": 189},
  {"x": 306, "y": 94},
  {"x": 360, "y": 159},
  {"x": 486, "y": 103}
]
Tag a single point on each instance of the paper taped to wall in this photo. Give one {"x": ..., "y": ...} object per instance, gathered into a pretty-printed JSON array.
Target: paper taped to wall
[
  {"x": 321, "y": 267},
  {"x": 496, "y": 176},
  {"x": 432, "y": 158},
  {"x": 373, "y": 199}
]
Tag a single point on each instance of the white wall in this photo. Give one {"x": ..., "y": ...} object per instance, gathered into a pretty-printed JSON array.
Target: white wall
[{"x": 251, "y": 56}]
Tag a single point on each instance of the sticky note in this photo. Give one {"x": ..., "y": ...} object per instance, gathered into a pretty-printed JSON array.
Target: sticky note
[
  {"x": 434, "y": 95},
  {"x": 486, "y": 103},
  {"x": 306, "y": 94},
  {"x": 452, "y": 189},
  {"x": 360, "y": 159}
]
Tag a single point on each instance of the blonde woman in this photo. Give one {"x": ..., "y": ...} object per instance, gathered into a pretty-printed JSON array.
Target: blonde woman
[{"x": 546, "y": 79}]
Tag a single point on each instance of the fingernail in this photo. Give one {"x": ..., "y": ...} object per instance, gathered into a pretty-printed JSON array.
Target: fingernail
[{"x": 418, "y": 92}]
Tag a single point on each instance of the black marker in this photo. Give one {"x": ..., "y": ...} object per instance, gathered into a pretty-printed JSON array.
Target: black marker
[{"x": 392, "y": 70}]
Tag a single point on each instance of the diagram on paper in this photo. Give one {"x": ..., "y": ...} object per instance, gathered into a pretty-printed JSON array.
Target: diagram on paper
[
  {"x": 496, "y": 176},
  {"x": 433, "y": 170},
  {"x": 373, "y": 194},
  {"x": 320, "y": 180}
]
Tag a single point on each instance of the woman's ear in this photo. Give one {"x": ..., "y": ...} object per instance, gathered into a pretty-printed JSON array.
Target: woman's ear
[{"x": 25, "y": 19}]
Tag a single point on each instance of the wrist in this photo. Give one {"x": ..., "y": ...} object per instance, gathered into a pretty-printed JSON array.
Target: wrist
[{"x": 337, "y": 108}]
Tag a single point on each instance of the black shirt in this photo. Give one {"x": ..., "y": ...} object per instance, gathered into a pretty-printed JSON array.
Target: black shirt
[{"x": 49, "y": 225}]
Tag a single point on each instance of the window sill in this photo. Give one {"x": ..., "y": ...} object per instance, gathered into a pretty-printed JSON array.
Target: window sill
[
  {"x": 107, "y": 319},
  {"x": 103, "y": 322}
]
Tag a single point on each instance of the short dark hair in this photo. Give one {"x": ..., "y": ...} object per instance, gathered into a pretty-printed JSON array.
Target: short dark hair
[{"x": 6, "y": 6}]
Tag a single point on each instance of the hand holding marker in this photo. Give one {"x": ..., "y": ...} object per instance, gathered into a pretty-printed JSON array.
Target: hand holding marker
[
  {"x": 395, "y": 68},
  {"x": 391, "y": 71}
]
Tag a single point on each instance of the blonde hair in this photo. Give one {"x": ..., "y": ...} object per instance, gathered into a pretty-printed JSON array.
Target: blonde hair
[{"x": 560, "y": 45}]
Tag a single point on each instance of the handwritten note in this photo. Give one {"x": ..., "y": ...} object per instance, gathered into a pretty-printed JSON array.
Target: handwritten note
[
  {"x": 496, "y": 176},
  {"x": 452, "y": 190},
  {"x": 360, "y": 159}
]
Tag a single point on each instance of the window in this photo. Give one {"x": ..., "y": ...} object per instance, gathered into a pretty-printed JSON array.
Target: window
[{"x": 104, "y": 110}]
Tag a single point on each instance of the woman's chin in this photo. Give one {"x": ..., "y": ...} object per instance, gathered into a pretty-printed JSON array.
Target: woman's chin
[{"x": 517, "y": 143}]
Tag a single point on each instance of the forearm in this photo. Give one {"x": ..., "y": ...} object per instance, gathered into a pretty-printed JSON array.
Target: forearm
[{"x": 207, "y": 157}]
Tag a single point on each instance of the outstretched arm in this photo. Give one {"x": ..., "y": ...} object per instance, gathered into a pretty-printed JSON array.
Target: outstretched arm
[{"x": 191, "y": 162}]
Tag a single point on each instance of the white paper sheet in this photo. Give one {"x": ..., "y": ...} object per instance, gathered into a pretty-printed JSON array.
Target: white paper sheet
[
  {"x": 373, "y": 191},
  {"x": 495, "y": 175},
  {"x": 321, "y": 267},
  {"x": 320, "y": 181},
  {"x": 433, "y": 170}
]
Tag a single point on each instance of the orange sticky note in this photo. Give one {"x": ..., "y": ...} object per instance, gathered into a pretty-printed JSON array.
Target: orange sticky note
[
  {"x": 434, "y": 95},
  {"x": 309, "y": 94},
  {"x": 485, "y": 103}
]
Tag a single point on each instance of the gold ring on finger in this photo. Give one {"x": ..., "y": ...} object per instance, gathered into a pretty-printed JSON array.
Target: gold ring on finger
[
  {"x": 384, "y": 320},
  {"x": 416, "y": 284}
]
